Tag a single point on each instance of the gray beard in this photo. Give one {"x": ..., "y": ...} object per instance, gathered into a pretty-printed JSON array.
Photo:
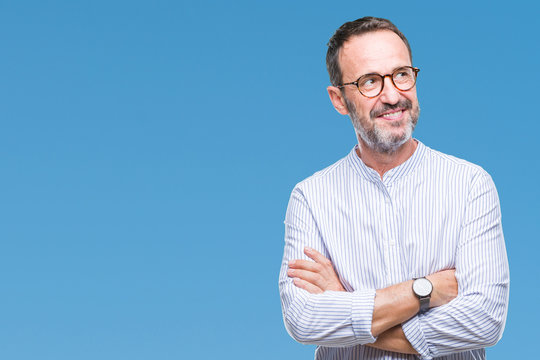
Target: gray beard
[{"x": 378, "y": 139}]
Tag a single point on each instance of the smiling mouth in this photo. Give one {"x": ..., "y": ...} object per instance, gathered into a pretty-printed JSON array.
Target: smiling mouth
[
  {"x": 392, "y": 115},
  {"x": 394, "y": 112}
]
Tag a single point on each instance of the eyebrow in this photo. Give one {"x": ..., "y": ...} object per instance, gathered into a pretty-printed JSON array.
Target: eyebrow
[{"x": 375, "y": 73}]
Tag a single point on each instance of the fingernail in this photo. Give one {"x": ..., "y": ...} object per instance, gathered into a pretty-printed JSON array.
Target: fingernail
[
  {"x": 290, "y": 272},
  {"x": 291, "y": 262},
  {"x": 308, "y": 249}
]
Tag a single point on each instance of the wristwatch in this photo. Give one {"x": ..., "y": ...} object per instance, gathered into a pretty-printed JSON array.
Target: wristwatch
[{"x": 422, "y": 288}]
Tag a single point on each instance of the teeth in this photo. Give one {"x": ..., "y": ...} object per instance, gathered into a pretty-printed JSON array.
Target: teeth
[{"x": 394, "y": 114}]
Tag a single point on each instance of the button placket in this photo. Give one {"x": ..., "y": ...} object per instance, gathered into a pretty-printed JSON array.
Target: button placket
[
  {"x": 385, "y": 214},
  {"x": 393, "y": 259}
]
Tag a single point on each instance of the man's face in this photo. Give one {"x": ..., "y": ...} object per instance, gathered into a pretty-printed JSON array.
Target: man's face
[{"x": 385, "y": 122}]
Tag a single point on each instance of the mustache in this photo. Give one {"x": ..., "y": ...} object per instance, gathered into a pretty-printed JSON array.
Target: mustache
[{"x": 405, "y": 104}]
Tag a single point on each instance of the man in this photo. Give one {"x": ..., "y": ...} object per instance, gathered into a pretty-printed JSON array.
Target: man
[{"x": 395, "y": 251}]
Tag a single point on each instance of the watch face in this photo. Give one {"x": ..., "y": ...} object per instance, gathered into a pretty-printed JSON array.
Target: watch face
[{"x": 422, "y": 287}]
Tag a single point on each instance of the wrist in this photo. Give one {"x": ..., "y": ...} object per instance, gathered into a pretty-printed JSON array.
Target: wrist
[{"x": 422, "y": 289}]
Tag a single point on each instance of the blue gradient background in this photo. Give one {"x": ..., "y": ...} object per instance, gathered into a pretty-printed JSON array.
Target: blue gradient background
[{"x": 148, "y": 150}]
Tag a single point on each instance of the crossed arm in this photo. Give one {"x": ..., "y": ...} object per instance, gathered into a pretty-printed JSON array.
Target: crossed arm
[
  {"x": 317, "y": 313},
  {"x": 393, "y": 305}
]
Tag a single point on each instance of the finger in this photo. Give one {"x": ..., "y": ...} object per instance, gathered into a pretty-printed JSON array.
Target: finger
[
  {"x": 302, "y": 284},
  {"x": 309, "y": 276},
  {"x": 316, "y": 256},
  {"x": 305, "y": 265}
]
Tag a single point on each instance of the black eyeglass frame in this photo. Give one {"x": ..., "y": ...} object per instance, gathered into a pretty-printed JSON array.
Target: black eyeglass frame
[{"x": 391, "y": 76}]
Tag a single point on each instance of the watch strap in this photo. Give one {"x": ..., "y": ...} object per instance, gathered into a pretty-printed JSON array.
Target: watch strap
[{"x": 424, "y": 304}]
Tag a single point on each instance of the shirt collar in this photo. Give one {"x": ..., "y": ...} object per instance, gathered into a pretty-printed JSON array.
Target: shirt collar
[{"x": 391, "y": 175}]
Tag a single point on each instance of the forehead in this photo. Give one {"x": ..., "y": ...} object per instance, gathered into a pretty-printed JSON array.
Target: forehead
[{"x": 378, "y": 52}]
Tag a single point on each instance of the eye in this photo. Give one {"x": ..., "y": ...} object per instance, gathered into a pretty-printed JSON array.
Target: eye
[
  {"x": 368, "y": 82},
  {"x": 401, "y": 75}
]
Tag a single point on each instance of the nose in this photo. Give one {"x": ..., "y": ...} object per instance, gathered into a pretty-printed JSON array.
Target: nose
[{"x": 389, "y": 94}]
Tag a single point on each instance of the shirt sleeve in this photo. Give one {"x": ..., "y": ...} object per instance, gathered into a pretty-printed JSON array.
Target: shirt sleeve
[
  {"x": 332, "y": 318},
  {"x": 476, "y": 317}
]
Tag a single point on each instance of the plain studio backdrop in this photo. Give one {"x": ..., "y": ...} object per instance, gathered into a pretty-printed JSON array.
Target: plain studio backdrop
[{"x": 148, "y": 150}]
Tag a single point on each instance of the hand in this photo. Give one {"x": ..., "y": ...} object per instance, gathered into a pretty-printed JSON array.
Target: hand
[
  {"x": 315, "y": 277},
  {"x": 394, "y": 340},
  {"x": 445, "y": 287}
]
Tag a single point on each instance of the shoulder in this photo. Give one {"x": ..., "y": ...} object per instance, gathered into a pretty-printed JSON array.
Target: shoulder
[
  {"x": 326, "y": 179},
  {"x": 454, "y": 168}
]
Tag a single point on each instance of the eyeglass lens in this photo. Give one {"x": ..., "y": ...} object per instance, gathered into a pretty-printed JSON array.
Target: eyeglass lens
[{"x": 371, "y": 84}]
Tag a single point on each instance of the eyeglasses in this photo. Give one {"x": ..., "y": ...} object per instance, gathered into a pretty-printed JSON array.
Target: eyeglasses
[{"x": 371, "y": 85}]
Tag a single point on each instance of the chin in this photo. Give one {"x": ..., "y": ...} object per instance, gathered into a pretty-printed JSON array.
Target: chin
[{"x": 386, "y": 141}]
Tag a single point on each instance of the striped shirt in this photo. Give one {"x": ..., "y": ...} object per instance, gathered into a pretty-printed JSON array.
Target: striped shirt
[{"x": 431, "y": 213}]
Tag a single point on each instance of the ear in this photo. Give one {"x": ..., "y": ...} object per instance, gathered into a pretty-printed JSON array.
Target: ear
[{"x": 336, "y": 97}]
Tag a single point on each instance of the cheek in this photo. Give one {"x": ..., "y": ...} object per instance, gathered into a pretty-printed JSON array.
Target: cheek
[
  {"x": 412, "y": 96},
  {"x": 366, "y": 107}
]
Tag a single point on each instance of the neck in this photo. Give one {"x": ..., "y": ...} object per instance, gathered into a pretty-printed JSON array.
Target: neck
[{"x": 382, "y": 162}]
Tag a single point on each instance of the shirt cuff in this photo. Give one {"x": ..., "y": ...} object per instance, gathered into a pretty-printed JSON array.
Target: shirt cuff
[
  {"x": 415, "y": 335},
  {"x": 362, "y": 314}
]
